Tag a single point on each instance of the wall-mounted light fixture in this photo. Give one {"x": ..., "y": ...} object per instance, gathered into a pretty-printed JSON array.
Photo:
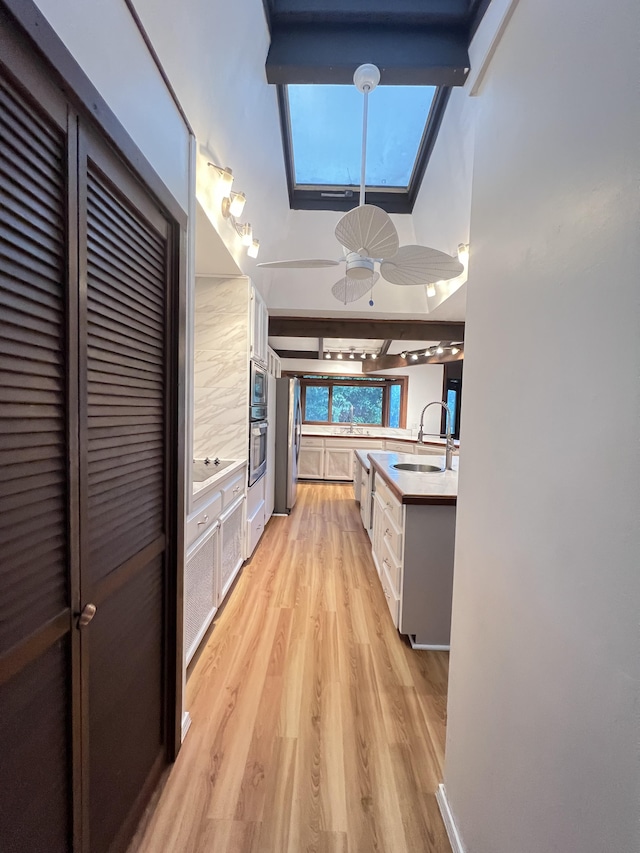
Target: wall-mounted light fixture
[
  {"x": 463, "y": 253},
  {"x": 431, "y": 290},
  {"x": 232, "y": 207}
]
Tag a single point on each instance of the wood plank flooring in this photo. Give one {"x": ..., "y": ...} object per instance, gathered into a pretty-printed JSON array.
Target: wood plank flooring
[{"x": 316, "y": 728}]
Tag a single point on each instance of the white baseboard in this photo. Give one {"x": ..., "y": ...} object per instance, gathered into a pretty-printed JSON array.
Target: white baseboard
[
  {"x": 425, "y": 647},
  {"x": 186, "y": 724},
  {"x": 447, "y": 818}
]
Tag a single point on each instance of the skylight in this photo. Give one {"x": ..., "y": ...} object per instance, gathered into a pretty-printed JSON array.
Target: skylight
[
  {"x": 326, "y": 134},
  {"x": 322, "y": 134}
]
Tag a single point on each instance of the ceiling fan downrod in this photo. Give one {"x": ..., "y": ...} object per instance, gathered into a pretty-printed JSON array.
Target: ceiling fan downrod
[{"x": 366, "y": 78}]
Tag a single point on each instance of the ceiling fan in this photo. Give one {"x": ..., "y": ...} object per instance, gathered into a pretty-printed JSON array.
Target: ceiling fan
[{"x": 369, "y": 237}]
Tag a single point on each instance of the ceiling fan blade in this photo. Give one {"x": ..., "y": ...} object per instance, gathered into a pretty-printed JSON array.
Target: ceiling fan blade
[
  {"x": 349, "y": 290},
  {"x": 420, "y": 265},
  {"x": 304, "y": 264},
  {"x": 369, "y": 230}
]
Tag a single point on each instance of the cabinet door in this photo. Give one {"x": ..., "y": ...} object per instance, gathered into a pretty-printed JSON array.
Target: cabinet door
[
  {"x": 311, "y": 463},
  {"x": 231, "y": 540},
  {"x": 200, "y": 590},
  {"x": 338, "y": 464}
]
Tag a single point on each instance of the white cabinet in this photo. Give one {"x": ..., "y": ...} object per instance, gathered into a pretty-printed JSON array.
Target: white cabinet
[
  {"x": 214, "y": 554},
  {"x": 338, "y": 463},
  {"x": 200, "y": 589},
  {"x": 259, "y": 328},
  {"x": 256, "y": 515},
  {"x": 311, "y": 460},
  {"x": 231, "y": 544},
  {"x": 413, "y": 547}
]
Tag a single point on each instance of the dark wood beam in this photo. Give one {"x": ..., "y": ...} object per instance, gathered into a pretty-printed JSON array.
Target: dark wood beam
[
  {"x": 297, "y": 353},
  {"x": 395, "y": 330},
  {"x": 390, "y": 361},
  {"x": 412, "y": 12},
  {"x": 329, "y": 53}
]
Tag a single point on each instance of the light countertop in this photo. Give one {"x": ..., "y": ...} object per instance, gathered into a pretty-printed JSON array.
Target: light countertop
[
  {"x": 205, "y": 485},
  {"x": 415, "y": 487},
  {"x": 366, "y": 433}
]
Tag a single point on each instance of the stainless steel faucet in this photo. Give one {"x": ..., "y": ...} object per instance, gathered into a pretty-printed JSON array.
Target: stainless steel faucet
[
  {"x": 351, "y": 420},
  {"x": 449, "y": 446}
]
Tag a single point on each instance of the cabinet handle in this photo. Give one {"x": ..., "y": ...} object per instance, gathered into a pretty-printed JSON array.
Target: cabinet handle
[
  {"x": 259, "y": 527},
  {"x": 204, "y": 520},
  {"x": 387, "y": 532},
  {"x": 88, "y": 612},
  {"x": 386, "y": 562},
  {"x": 236, "y": 490}
]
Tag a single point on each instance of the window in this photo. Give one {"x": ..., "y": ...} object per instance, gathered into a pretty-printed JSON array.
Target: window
[
  {"x": 374, "y": 401},
  {"x": 322, "y": 139}
]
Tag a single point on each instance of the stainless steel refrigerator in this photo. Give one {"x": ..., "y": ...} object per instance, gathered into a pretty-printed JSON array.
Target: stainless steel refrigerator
[{"x": 288, "y": 433}]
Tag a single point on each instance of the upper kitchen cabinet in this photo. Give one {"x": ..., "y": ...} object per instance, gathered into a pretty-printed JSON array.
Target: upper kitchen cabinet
[{"x": 259, "y": 327}]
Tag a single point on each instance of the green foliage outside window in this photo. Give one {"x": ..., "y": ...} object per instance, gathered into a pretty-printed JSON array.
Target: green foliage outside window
[{"x": 375, "y": 401}]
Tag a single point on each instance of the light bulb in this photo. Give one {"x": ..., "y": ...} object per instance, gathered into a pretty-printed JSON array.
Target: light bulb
[
  {"x": 439, "y": 350},
  {"x": 339, "y": 355},
  {"x": 414, "y": 356},
  {"x": 246, "y": 234},
  {"x": 328, "y": 355},
  {"x": 364, "y": 355},
  {"x": 431, "y": 290},
  {"x": 427, "y": 353},
  {"x": 374, "y": 355},
  {"x": 463, "y": 253},
  {"x": 351, "y": 355},
  {"x": 403, "y": 354},
  {"x": 237, "y": 203},
  {"x": 454, "y": 350},
  {"x": 253, "y": 249},
  {"x": 226, "y": 179}
]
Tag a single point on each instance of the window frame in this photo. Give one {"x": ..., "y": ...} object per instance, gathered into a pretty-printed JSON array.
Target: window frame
[
  {"x": 344, "y": 198},
  {"x": 371, "y": 381}
]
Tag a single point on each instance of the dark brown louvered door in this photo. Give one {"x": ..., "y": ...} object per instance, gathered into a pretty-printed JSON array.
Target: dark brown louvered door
[
  {"x": 36, "y": 492},
  {"x": 123, "y": 444}
]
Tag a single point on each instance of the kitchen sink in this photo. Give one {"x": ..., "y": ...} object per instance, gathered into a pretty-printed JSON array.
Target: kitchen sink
[{"x": 421, "y": 467}]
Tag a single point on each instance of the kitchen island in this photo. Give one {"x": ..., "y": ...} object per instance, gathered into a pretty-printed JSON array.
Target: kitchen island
[{"x": 413, "y": 534}]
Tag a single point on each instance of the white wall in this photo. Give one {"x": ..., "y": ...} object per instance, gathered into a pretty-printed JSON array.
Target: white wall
[
  {"x": 104, "y": 40},
  {"x": 543, "y": 722},
  {"x": 425, "y": 384}
]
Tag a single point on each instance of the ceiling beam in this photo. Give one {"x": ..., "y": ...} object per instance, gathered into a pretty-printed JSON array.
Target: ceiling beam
[
  {"x": 413, "y": 12},
  {"x": 297, "y": 353},
  {"x": 388, "y": 362},
  {"x": 384, "y": 349},
  {"x": 320, "y": 347},
  {"x": 360, "y": 328},
  {"x": 329, "y": 53}
]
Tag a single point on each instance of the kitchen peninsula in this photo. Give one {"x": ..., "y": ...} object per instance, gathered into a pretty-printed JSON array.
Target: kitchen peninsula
[{"x": 412, "y": 534}]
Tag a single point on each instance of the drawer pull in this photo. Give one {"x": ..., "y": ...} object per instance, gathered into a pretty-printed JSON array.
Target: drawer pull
[
  {"x": 204, "y": 520},
  {"x": 387, "y": 532},
  {"x": 259, "y": 527},
  {"x": 236, "y": 490}
]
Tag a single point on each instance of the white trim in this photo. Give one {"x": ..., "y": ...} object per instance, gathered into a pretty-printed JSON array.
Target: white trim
[
  {"x": 186, "y": 724},
  {"x": 424, "y": 647},
  {"x": 449, "y": 822},
  {"x": 486, "y": 41}
]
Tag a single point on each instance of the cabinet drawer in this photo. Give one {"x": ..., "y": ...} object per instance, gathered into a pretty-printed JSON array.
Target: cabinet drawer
[
  {"x": 393, "y": 602},
  {"x": 255, "y": 528},
  {"x": 233, "y": 489},
  {"x": 392, "y": 536},
  {"x": 201, "y": 521},
  {"x": 389, "y": 501},
  {"x": 393, "y": 568},
  {"x": 399, "y": 446},
  {"x": 309, "y": 441}
]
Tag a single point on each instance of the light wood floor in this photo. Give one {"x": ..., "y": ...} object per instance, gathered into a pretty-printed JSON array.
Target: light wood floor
[{"x": 316, "y": 728}]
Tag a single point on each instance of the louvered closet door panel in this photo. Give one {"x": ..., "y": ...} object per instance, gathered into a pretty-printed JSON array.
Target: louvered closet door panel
[
  {"x": 126, "y": 273},
  {"x": 34, "y": 796},
  {"x": 126, "y": 700},
  {"x": 33, "y": 480}
]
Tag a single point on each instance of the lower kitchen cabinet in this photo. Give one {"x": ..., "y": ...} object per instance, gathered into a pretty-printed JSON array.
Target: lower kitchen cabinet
[
  {"x": 311, "y": 461},
  {"x": 215, "y": 552},
  {"x": 256, "y": 515},
  {"x": 231, "y": 542},
  {"x": 338, "y": 463},
  {"x": 413, "y": 548}
]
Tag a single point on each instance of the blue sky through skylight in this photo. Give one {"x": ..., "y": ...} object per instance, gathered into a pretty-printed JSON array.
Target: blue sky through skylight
[{"x": 326, "y": 131}]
